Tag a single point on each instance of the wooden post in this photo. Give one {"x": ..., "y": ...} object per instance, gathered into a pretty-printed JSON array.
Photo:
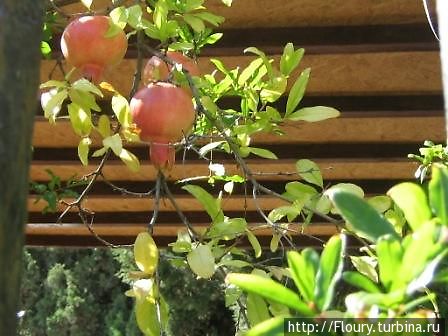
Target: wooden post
[
  {"x": 20, "y": 36},
  {"x": 442, "y": 11}
]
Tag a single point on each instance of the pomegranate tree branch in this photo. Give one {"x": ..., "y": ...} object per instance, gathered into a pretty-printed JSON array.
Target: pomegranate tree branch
[{"x": 155, "y": 212}]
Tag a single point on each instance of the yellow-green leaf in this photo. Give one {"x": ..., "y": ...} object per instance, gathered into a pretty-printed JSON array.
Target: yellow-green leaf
[
  {"x": 114, "y": 142},
  {"x": 104, "y": 126},
  {"x": 122, "y": 111},
  {"x": 80, "y": 119},
  {"x": 146, "y": 253},
  {"x": 83, "y": 150},
  {"x": 87, "y": 3},
  {"x": 130, "y": 160},
  {"x": 201, "y": 261},
  {"x": 254, "y": 242}
]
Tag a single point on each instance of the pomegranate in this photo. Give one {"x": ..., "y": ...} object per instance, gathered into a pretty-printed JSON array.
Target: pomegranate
[
  {"x": 85, "y": 45},
  {"x": 163, "y": 112},
  {"x": 156, "y": 69}
]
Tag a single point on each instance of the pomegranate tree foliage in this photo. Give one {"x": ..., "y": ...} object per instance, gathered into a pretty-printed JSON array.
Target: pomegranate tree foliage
[{"x": 404, "y": 231}]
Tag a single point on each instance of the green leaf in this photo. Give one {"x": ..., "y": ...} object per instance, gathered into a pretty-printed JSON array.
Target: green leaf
[
  {"x": 264, "y": 153},
  {"x": 257, "y": 309},
  {"x": 146, "y": 316},
  {"x": 146, "y": 253},
  {"x": 196, "y": 23},
  {"x": 249, "y": 71},
  {"x": 346, "y": 187},
  {"x": 361, "y": 281},
  {"x": 201, "y": 261},
  {"x": 310, "y": 172},
  {"x": 104, "y": 126},
  {"x": 366, "y": 265},
  {"x": 266, "y": 61},
  {"x": 273, "y": 246},
  {"x": 290, "y": 59},
  {"x": 329, "y": 272},
  {"x": 297, "y": 191},
  {"x": 53, "y": 83},
  {"x": 411, "y": 199},
  {"x": 270, "y": 290},
  {"x": 86, "y": 86},
  {"x": 113, "y": 30},
  {"x": 210, "y": 204},
  {"x": 122, "y": 111},
  {"x": 274, "y": 89},
  {"x": 315, "y": 113},
  {"x": 83, "y": 150},
  {"x": 290, "y": 211},
  {"x": 119, "y": 16},
  {"x": 51, "y": 102},
  {"x": 360, "y": 216},
  {"x": 228, "y": 3},
  {"x": 234, "y": 263},
  {"x": 297, "y": 91},
  {"x": 215, "y": 20},
  {"x": 438, "y": 192},
  {"x": 254, "y": 243},
  {"x": 84, "y": 99},
  {"x": 80, "y": 119},
  {"x": 134, "y": 16},
  {"x": 303, "y": 274},
  {"x": 227, "y": 229},
  {"x": 130, "y": 160},
  {"x": 115, "y": 143},
  {"x": 45, "y": 48},
  {"x": 271, "y": 327},
  {"x": 381, "y": 203}
]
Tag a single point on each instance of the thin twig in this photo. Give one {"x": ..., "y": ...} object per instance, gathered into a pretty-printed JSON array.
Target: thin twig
[{"x": 155, "y": 212}]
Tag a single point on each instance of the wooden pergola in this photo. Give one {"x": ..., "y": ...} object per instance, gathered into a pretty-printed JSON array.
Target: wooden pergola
[{"x": 377, "y": 61}]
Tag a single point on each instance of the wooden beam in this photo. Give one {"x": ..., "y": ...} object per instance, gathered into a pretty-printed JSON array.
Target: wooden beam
[
  {"x": 381, "y": 129},
  {"x": 332, "y": 74},
  {"x": 127, "y": 230},
  {"x": 332, "y": 169},
  {"x": 296, "y": 13}
]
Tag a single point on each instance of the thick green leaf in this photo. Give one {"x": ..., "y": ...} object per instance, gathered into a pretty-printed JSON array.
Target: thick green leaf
[
  {"x": 130, "y": 160},
  {"x": 411, "y": 199},
  {"x": 361, "y": 216},
  {"x": 297, "y": 91},
  {"x": 438, "y": 193},
  {"x": 201, "y": 261},
  {"x": 210, "y": 204},
  {"x": 361, "y": 281},
  {"x": 83, "y": 150},
  {"x": 346, "y": 187},
  {"x": 309, "y": 171},
  {"x": 390, "y": 255},
  {"x": 146, "y": 253},
  {"x": 86, "y": 86},
  {"x": 270, "y": 290},
  {"x": 257, "y": 309},
  {"x": 303, "y": 275},
  {"x": 329, "y": 272},
  {"x": 271, "y": 327},
  {"x": 315, "y": 113},
  {"x": 427, "y": 275},
  {"x": 254, "y": 243},
  {"x": 381, "y": 203},
  {"x": 264, "y": 153}
]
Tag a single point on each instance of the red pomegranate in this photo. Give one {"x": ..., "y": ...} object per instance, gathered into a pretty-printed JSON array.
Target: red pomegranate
[
  {"x": 156, "y": 69},
  {"x": 85, "y": 45},
  {"x": 164, "y": 113}
]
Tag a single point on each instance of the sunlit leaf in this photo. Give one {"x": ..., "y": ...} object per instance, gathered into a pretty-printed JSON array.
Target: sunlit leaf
[
  {"x": 146, "y": 253},
  {"x": 115, "y": 143},
  {"x": 303, "y": 274},
  {"x": 381, "y": 203},
  {"x": 361, "y": 281},
  {"x": 83, "y": 150},
  {"x": 130, "y": 160},
  {"x": 273, "y": 326},
  {"x": 210, "y": 204},
  {"x": 438, "y": 193},
  {"x": 270, "y": 290},
  {"x": 201, "y": 261},
  {"x": 264, "y": 153},
  {"x": 80, "y": 119},
  {"x": 51, "y": 102},
  {"x": 315, "y": 113},
  {"x": 329, "y": 272},
  {"x": 360, "y": 216},
  {"x": 297, "y": 91},
  {"x": 227, "y": 229},
  {"x": 196, "y": 23},
  {"x": 290, "y": 59},
  {"x": 254, "y": 243},
  {"x": 309, "y": 171},
  {"x": 104, "y": 126},
  {"x": 273, "y": 246},
  {"x": 86, "y": 86},
  {"x": 87, "y": 3},
  {"x": 411, "y": 199},
  {"x": 122, "y": 111},
  {"x": 366, "y": 265}
]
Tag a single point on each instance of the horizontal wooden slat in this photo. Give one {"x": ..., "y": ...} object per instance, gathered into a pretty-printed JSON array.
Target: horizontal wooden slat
[
  {"x": 332, "y": 74},
  {"x": 341, "y": 130},
  {"x": 126, "y": 230},
  {"x": 336, "y": 169},
  {"x": 296, "y": 13}
]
